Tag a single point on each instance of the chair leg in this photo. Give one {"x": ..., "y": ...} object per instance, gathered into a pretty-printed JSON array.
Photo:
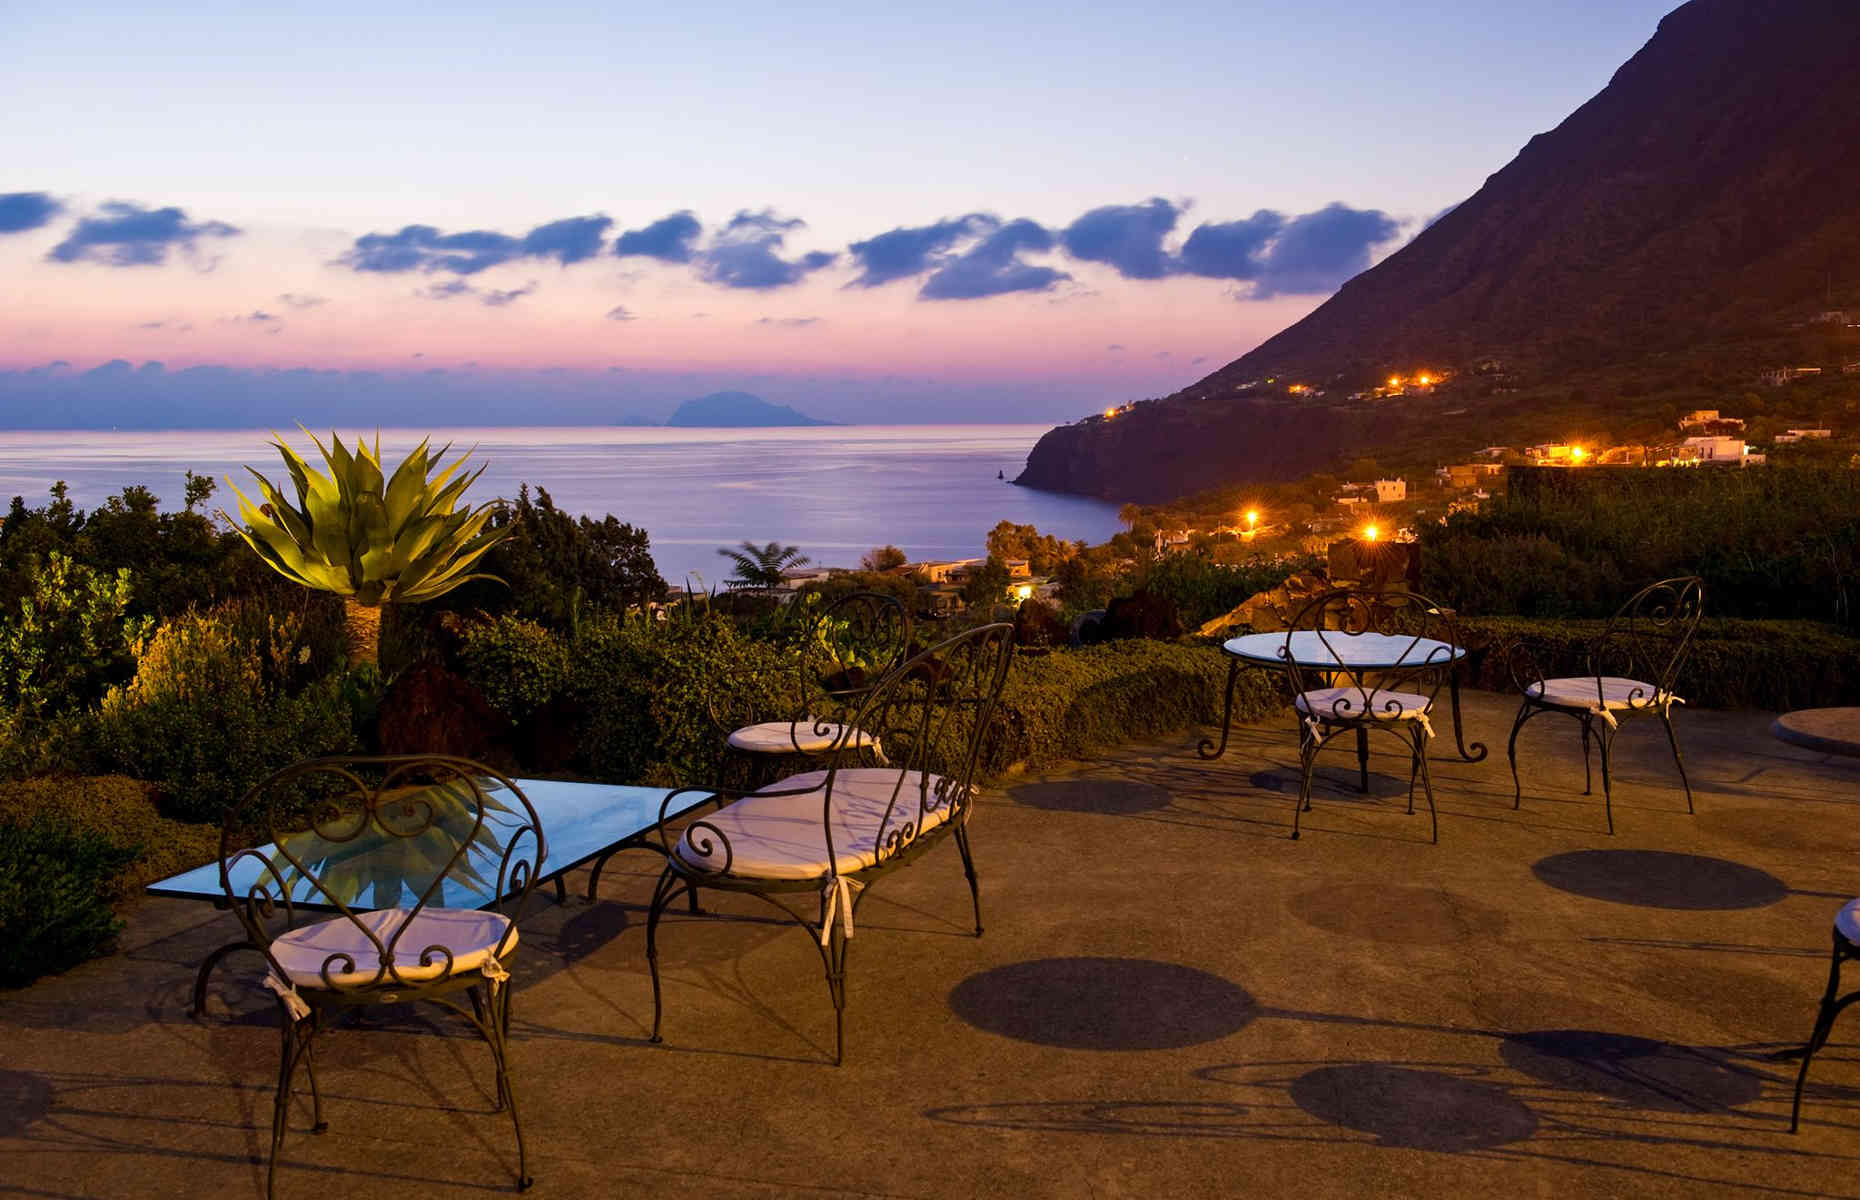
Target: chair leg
[
  {"x": 290, "y": 1049},
  {"x": 1604, "y": 738},
  {"x": 1666, "y": 719},
  {"x": 835, "y": 954},
  {"x": 1362, "y": 759},
  {"x": 499, "y": 1025},
  {"x": 968, "y": 869},
  {"x": 1588, "y": 780},
  {"x": 318, "y": 1124},
  {"x": 1427, "y": 783},
  {"x": 1511, "y": 752},
  {"x": 1307, "y": 754},
  {"x": 660, "y": 896},
  {"x": 1824, "y": 1024},
  {"x": 1414, "y": 768}
]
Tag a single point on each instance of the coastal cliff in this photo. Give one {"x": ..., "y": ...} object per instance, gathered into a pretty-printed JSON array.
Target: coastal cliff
[{"x": 1695, "y": 211}]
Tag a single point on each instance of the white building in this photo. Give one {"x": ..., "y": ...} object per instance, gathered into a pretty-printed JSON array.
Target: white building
[
  {"x": 1804, "y": 435},
  {"x": 1721, "y": 451},
  {"x": 1388, "y": 491}
]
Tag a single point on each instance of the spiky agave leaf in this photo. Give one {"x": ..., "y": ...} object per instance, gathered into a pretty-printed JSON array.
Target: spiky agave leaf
[{"x": 358, "y": 531}]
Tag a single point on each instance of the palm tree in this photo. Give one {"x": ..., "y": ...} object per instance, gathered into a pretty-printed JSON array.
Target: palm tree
[
  {"x": 368, "y": 538},
  {"x": 761, "y": 567}
]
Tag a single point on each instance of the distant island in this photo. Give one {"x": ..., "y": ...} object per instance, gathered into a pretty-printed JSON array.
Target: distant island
[{"x": 737, "y": 410}]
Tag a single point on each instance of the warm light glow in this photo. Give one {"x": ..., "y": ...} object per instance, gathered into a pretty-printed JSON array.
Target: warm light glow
[
  {"x": 1024, "y": 592},
  {"x": 1577, "y": 453},
  {"x": 1394, "y": 381},
  {"x": 1109, "y": 413},
  {"x": 1252, "y": 517},
  {"x": 1424, "y": 380},
  {"x": 1369, "y": 533}
]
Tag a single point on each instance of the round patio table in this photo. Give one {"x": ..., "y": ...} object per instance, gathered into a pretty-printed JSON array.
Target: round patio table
[
  {"x": 1829, "y": 730},
  {"x": 1334, "y": 650}
]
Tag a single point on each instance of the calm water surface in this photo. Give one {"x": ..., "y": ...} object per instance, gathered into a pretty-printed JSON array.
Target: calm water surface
[{"x": 835, "y": 491}]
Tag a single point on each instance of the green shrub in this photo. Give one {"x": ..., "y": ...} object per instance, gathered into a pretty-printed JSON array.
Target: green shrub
[
  {"x": 198, "y": 722},
  {"x": 1778, "y": 543},
  {"x": 1069, "y": 704},
  {"x": 55, "y": 888},
  {"x": 72, "y": 638},
  {"x": 1772, "y": 665},
  {"x": 69, "y": 847},
  {"x": 518, "y": 665},
  {"x": 1201, "y": 589}
]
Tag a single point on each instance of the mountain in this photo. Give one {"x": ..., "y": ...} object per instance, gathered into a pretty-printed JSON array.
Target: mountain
[
  {"x": 737, "y": 410},
  {"x": 1698, "y": 208}
]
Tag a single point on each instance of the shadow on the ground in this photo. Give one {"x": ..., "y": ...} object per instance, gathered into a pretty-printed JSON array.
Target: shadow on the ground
[
  {"x": 1636, "y": 1071},
  {"x": 1103, "y": 1004},
  {"x": 1660, "y": 879},
  {"x": 1419, "y": 1110}
]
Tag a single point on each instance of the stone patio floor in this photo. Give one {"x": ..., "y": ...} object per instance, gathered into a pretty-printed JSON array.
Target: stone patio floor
[{"x": 1171, "y": 998}]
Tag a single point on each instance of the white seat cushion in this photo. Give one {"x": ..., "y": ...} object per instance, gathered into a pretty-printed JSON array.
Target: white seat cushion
[
  {"x": 781, "y": 837},
  {"x": 1847, "y": 921},
  {"x": 1354, "y": 704},
  {"x": 1615, "y": 694},
  {"x": 806, "y": 736},
  {"x": 470, "y": 934}
]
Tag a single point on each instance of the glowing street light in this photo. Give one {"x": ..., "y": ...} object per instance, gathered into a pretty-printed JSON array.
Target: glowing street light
[
  {"x": 1109, "y": 413},
  {"x": 1424, "y": 379},
  {"x": 1024, "y": 592},
  {"x": 1252, "y": 519},
  {"x": 1577, "y": 454},
  {"x": 1394, "y": 381},
  {"x": 1369, "y": 533}
]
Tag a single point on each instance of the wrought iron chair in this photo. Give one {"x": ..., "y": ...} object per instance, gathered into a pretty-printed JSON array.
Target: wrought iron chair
[
  {"x": 1368, "y": 662},
  {"x": 1630, "y": 670},
  {"x": 845, "y": 650},
  {"x": 825, "y": 836},
  {"x": 1846, "y": 948},
  {"x": 369, "y": 881}
]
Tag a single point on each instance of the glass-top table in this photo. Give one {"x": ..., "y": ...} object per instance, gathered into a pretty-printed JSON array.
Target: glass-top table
[
  {"x": 1336, "y": 650},
  {"x": 581, "y": 823}
]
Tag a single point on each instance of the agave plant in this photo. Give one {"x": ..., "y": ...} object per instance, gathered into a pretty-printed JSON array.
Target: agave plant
[{"x": 367, "y": 537}]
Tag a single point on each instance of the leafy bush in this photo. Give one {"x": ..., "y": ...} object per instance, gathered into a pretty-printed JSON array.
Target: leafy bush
[
  {"x": 1201, "y": 589},
  {"x": 70, "y": 846},
  {"x": 1069, "y": 704},
  {"x": 71, "y": 639},
  {"x": 55, "y": 888},
  {"x": 1779, "y": 543},
  {"x": 518, "y": 665},
  {"x": 1773, "y": 665},
  {"x": 197, "y": 721}
]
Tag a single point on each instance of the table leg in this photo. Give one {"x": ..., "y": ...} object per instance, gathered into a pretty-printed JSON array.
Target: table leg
[
  {"x": 1227, "y": 715},
  {"x": 1362, "y": 757},
  {"x": 1477, "y": 752},
  {"x": 206, "y": 969}
]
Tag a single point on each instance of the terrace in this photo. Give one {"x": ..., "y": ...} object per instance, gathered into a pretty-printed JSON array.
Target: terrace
[{"x": 1171, "y": 998}]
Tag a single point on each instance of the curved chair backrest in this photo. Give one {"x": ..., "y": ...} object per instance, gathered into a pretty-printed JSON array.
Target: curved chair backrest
[
  {"x": 354, "y": 835},
  {"x": 1372, "y": 646},
  {"x": 1649, "y": 637},
  {"x": 930, "y": 717}
]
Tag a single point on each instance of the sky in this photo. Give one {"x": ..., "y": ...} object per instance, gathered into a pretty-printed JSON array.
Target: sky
[{"x": 883, "y": 213}]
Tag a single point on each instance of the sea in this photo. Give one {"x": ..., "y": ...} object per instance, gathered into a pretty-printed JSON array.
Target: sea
[{"x": 834, "y": 491}]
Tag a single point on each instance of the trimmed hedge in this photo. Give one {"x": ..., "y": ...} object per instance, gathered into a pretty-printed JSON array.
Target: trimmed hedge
[
  {"x": 69, "y": 849},
  {"x": 1771, "y": 665},
  {"x": 1068, "y": 704}
]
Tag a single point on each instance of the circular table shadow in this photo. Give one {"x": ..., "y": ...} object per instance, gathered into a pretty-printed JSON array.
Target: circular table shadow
[
  {"x": 1407, "y": 916},
  {"x": 1416, "y": 1110},
  {"x": 1660, "y": 879},
  {"x": 1112, "y": 797},
  {"x": 1636, "y": 1071},
  {"x": 25, "y": 1099},
  {"x": 1103, "y": 1004}
]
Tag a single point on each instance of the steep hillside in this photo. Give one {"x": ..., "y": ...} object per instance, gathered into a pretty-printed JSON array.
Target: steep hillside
[{"x": 1706, "y": 199}]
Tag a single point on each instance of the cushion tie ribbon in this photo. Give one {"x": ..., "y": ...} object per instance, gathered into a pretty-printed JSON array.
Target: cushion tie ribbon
[
  {"x": 495, "y": 972},
  {"x": 287, "y": 995},
  {"x": 836, "y": 900}
]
